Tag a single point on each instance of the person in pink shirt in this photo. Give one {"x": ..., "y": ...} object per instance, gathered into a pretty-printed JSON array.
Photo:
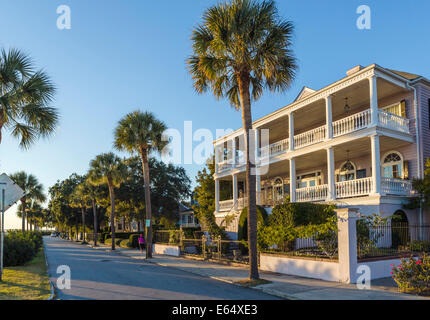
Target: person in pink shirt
[{"x": 141, "y": 243}]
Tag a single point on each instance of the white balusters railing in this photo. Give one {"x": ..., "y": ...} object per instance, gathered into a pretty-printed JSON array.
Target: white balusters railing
[
  {"x": 225, "y": 165},
  {"x": 396, "y": 186},
  {"x": 352, "y": 123},
  {"x": 317, "y": 193},
  {"x": 226, "y": 205},
  {"x": 275, "y": 149},
  {"x": 354, "y": 188},
  {"x": 393, "y": 121},
  {"x": 310, "y": 137}
]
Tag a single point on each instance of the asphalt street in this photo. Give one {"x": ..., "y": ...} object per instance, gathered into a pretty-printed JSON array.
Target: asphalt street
[{"x": 101, "y": 275}]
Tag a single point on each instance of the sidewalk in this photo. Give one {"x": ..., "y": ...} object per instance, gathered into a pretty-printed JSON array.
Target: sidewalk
[{"x": 284, "y": 286}]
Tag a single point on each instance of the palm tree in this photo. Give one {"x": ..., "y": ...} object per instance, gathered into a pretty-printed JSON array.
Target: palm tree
[
  {"x": 141, "y": 133},
  {"x": 33, "y": 190},
  {"x": 108, "y": 169},
  {"x": 24, "y": 98},
  {"x": 241, "y": 48}
]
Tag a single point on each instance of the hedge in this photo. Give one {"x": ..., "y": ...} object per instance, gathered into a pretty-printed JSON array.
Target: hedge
[
  {"x": 243, "y": 221},
  {"x": 20, "y": 247}
]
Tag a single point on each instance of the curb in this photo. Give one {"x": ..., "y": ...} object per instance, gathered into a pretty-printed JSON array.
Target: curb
[{"x": 51, "y": 297}]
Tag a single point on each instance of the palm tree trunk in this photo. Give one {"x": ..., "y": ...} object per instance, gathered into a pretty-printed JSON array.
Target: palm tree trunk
[
  {"x": 245, "y": 100},
  {"x": 112, "y": 212},
  {"x": 147, "y": 181},
  {"x": 83, "y": 223},
  {"x": 95, "y": 222}
]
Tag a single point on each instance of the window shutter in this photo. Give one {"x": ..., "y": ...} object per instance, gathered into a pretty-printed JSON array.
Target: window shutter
[
  {"x": 406, "y": 170},
  {"x": 403, "y": 108}
]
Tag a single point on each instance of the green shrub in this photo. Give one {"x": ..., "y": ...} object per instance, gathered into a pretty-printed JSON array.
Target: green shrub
[
  {"x": 108, "y": 242},
  {"x": 20, "y": 247},
  {"x": 419, "y": 246},
  {"x": 189, "y": 233},
  {"x": 243, "y": 222},
  {"x": 134, "y": 241},
  {"x": 125, "y": 244},
  {"x": 413, "y": 276}
]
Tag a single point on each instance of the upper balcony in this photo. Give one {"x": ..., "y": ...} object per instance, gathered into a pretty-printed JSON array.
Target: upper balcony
[
  {"x": 345, "y": 126},
  {"x": 333, "y": 116}
]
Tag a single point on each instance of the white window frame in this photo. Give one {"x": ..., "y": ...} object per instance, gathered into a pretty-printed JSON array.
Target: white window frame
[
  {"x": 318, "y": 177},
  {"x": 347, "y": 172},
  {"x": 274, "y": 189},
  {"x": 391, "y": 164},
  {"x": 398, "y": 104}
]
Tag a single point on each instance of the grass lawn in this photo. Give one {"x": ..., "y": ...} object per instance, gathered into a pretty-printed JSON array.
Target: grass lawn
[{"x": 28, "y": 282}]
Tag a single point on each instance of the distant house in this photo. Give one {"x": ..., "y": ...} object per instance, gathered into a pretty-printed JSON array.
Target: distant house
[{"x": 187, "y": 218}]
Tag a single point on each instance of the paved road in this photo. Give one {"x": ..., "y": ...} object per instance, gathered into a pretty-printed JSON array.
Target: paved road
[{"x": 101, "y": 275}]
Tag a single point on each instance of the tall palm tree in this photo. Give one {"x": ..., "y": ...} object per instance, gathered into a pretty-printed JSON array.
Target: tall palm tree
[
  {"x": 24, "y": 98},
  {"x": 33, "y": 190},
  {"x": 141, "y": 133},
  {"x": 108, "y": 169},
  {"x": 242, "y": 47}
]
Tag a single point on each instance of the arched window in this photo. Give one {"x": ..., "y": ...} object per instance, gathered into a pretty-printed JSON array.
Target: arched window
[
  {"x": 392, "y": 165},
  {"x": 347, "y": 172},
  {"x": 278, "y": 190}
]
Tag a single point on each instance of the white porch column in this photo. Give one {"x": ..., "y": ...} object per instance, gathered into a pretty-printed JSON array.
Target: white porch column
[
  {"x": 233, "y": 150},
  {"x": 376, "y": 165},
  {"x": 330, "y": 175},
  {"x": 258, "y": 188},
  {"x": 291, "y": 131},
  {"x": 235, "y": 191},
  {"x": 347, "y": 242},
  {"x": 329, "y": 117},
  {"x": 217, "y": 195},
  {"x": 374, "y": 100},
  {"x": 216, "y": 158},
  {"x": 293, "y": 180}
]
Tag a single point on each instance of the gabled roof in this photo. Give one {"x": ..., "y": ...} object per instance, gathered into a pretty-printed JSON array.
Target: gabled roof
[
  {"x": 406, "y": 75},
  {"x": 304, "y": 93}
]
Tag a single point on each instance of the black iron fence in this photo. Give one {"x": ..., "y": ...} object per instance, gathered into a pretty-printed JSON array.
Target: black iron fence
[
  {"x": 394, "y": 239},
  {"x": 203, "y": 246}
]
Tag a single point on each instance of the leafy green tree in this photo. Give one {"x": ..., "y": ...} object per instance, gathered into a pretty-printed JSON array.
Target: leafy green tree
[
  {"x": 78, "y": 199},
  {"x": 33, "y": 190},
  {"x": 24, "y": 98},
  {"x": 108, "y": 169},
  {"x": 59, "y": 206},
  {"x": 204, "y": 196},
  {"x": 242, "y": 47},
  {"x": 141, "y": 133}
]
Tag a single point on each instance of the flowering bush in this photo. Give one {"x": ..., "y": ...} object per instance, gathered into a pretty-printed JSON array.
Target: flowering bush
[{"x": 413, "y": 275}]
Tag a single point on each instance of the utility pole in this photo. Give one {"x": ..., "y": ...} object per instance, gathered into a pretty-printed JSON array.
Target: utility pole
[{"x": 2, "y": 229}]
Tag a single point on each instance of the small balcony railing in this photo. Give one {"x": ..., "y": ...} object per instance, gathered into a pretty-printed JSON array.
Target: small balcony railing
[
  {"x": 396, "y": 186},
  {"x": 229, "y": 205},
  {"x": 354, "y": 188},
  {"x": 393, "y": 121},
  {"x": 317, "y": 193},
  {"x": 225, "y": 165},
  {"x": 310, "y": 137},
  {"x": 352, "y": 123},
  {"x": 275, "y": 149}
]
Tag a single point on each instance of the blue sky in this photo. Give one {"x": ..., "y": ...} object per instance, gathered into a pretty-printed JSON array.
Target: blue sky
[{"x": 125, "y": 55}]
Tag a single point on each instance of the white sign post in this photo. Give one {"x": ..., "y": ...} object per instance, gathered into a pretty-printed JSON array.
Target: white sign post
[{"x": 10, "y": 194}]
